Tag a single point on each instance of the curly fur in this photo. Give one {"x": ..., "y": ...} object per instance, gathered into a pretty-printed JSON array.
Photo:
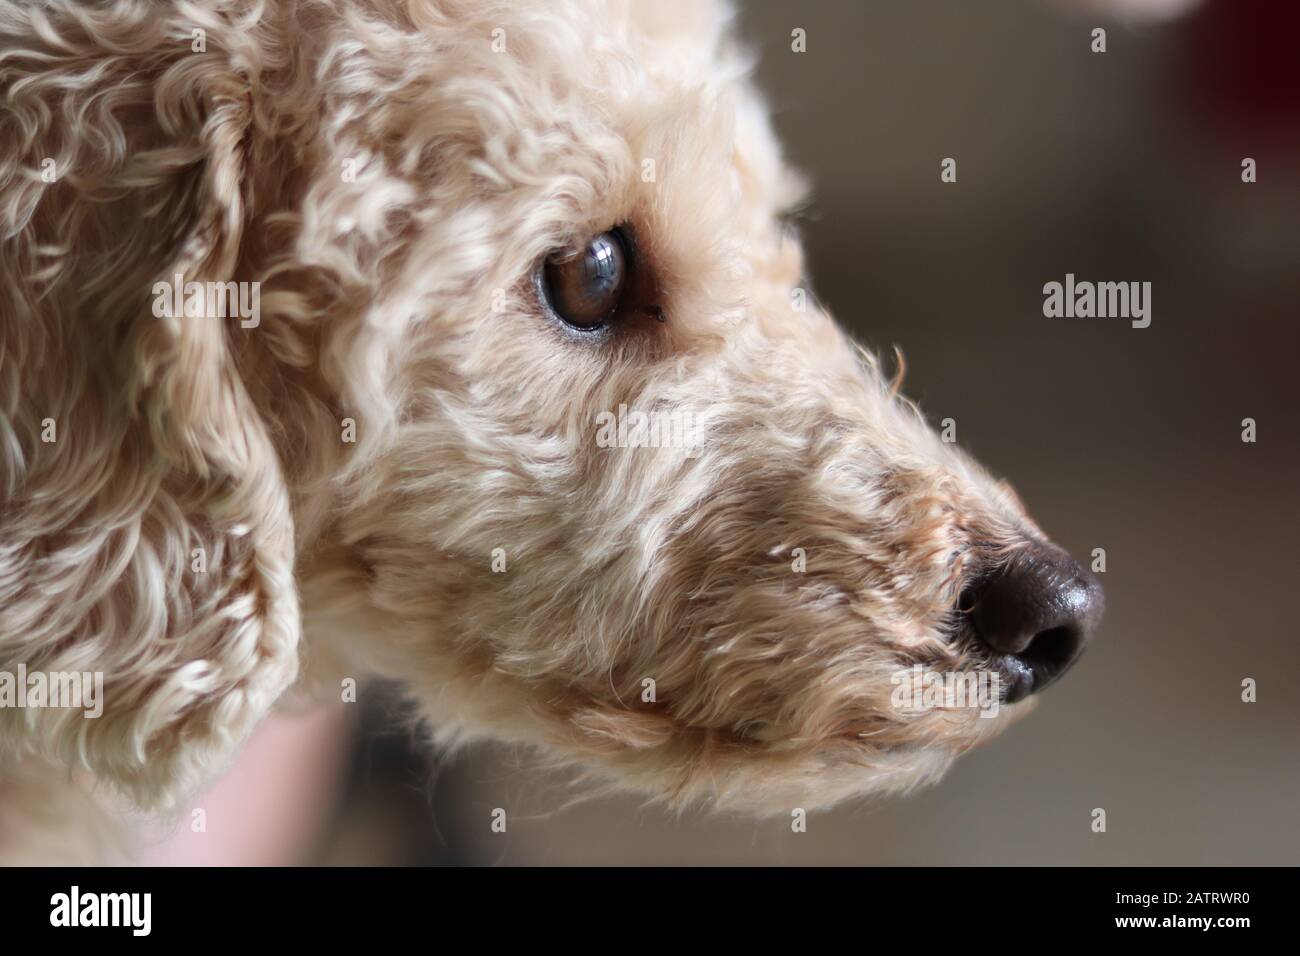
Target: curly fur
[{"x": 400, "y": 297}]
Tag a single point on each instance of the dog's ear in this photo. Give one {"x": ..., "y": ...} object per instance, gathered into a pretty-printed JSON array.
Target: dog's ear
[{"x": 145, "y": 528}]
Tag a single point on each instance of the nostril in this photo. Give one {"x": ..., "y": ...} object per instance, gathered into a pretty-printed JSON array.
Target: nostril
[{"x": 1052, "y": 651}]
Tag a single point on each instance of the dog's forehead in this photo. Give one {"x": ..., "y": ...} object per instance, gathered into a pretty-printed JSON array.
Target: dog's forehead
[
  {"x": 692, "y": 50},
  {"x": 678, "y": 36},
  {"x": 553, "y": 121},
  {"x": 686, "y": 34},
  {"x": 640, "y": 65}
]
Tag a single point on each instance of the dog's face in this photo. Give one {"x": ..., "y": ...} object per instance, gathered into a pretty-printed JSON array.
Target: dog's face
[
  {"x": 710, "y": 600},
  {"x": 537, "y": 416}
]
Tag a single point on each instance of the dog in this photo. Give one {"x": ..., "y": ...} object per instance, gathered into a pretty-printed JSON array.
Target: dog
[{"x": 465, "y": 344}]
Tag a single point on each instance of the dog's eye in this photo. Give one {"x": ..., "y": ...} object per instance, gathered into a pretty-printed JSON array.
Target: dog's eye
[{"x": 584, "y": 289}]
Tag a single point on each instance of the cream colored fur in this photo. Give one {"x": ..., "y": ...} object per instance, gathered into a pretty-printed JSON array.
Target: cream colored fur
[{"x": 401, "y": 298}]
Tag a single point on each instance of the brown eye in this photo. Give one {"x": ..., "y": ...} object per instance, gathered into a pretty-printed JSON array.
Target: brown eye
[{"x": 584, "y": 289}]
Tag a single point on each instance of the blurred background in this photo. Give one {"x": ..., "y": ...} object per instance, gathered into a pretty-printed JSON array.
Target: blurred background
[{"x": 1122, "y": 166}]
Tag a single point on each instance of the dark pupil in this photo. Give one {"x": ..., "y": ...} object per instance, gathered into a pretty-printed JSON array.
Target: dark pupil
[{"x": 584, "y": 289}]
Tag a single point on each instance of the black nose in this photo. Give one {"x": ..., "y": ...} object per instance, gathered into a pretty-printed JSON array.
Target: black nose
[{"x": 1034, "y": 615}]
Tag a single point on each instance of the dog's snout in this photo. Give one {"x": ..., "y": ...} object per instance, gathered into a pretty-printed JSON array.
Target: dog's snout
[{"x": 1034, "y": 615}]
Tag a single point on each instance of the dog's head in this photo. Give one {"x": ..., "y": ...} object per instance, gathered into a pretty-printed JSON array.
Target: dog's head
[
  {"x": 572, "y": 449},
  {"x": 621, "y": 486}
]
